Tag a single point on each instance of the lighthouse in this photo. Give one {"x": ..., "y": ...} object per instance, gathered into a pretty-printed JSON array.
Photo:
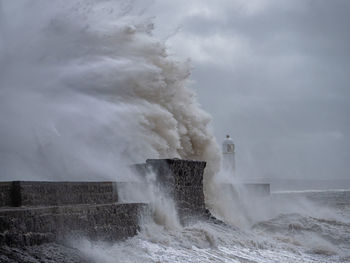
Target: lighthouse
[{"x": 228, "y": 152}]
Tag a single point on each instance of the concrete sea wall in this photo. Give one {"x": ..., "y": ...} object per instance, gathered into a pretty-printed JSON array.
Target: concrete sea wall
[
  {"x": 34, "y": 226},
  {"x": 37, "y": 218},
  {"x": 5, "y": 194},
  {"x": 34, "y": 193},
  {"x": 33, "y": 213},
  {"x": 182, "y": 180}
]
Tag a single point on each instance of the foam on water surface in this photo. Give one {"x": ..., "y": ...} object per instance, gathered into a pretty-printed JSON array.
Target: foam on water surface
[{"x": 85, "y": 90}]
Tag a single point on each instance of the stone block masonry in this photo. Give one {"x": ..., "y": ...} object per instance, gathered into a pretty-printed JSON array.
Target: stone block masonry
[
  {"x": 182, "y": 180},
  {"x": 34, "y": 193},
  {"x": 32, "y": 213},
  {"x": 33, "y": 226},
  {"x": 6, "y": 194},
  {"x": 35, "y": 217}
]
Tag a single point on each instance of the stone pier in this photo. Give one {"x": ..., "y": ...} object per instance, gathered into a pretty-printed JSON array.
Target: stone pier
[
  {"x": 37, "y": 218},
  {"x": 182, "y": 180},
  {"x": 32, "y": 213}
]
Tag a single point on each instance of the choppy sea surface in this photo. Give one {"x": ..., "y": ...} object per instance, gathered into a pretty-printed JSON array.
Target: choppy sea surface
[{"x": 299, "y": 226}]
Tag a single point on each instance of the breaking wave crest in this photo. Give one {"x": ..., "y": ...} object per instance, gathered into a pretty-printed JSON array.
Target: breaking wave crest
[
  {"x": 86, "y": 88},
  {"x": 316, "y": 235},
  {"x": 208, "y": 242}
]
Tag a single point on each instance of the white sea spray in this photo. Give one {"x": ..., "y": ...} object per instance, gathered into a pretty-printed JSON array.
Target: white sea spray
[{"x": 87, "y": 90}]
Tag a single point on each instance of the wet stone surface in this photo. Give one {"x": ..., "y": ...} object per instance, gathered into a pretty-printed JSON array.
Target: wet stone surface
[
  {"x": 37, "y": 217},
  {"x": 28, "y": 193},
  {"x": 46, "y": 253},
  {"x": 182, "y": 180},
  {"x": 33, "y": 226}
]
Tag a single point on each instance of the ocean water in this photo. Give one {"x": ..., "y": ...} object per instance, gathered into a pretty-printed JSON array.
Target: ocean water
[
  {"x": 86, "y": 90},
  {"x": 308, "y": 226}
]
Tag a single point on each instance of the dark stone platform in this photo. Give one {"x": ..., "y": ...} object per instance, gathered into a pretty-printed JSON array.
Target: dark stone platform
[
  {"x": 36, "y": 218},
  {"x": 182, "y": 180},
  {"x": 38, "y": 193},
  {"x": 46, "y": 253},
  {"x": 33, "y": 213},
  {"x": 34, "y": 226}
]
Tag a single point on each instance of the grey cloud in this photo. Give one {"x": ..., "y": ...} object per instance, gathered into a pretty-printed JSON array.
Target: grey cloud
[{"x": 285, "y": 94}]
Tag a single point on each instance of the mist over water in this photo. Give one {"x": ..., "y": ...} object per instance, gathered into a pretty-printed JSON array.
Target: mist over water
[{"x": 86, "y": 90}]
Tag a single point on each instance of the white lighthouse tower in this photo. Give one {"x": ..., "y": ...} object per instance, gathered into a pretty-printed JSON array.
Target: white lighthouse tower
[{"x": 228, "y": 152}]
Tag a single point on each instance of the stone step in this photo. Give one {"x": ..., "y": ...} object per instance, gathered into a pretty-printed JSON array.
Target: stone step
[
  {"x": 38, "y": 193},
  {"x": 25, "y": 226},
  {"x": 37, "y": 212}
]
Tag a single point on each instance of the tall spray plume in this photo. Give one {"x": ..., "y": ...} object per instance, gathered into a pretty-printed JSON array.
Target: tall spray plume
[{"x": 85, "y": 89}]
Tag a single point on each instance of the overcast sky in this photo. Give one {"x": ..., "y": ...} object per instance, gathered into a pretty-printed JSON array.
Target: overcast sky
[{"x": 272, "y": 73}]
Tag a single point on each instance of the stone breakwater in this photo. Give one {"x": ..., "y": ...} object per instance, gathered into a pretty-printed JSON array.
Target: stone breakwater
[
  {"x": 33, "y": 213},
  {"x": 36, "y": 218},
  {"x": 182, "y": 181},
  {"x": 34, "y": 226},
  {"x": 36, "y": 193}
]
